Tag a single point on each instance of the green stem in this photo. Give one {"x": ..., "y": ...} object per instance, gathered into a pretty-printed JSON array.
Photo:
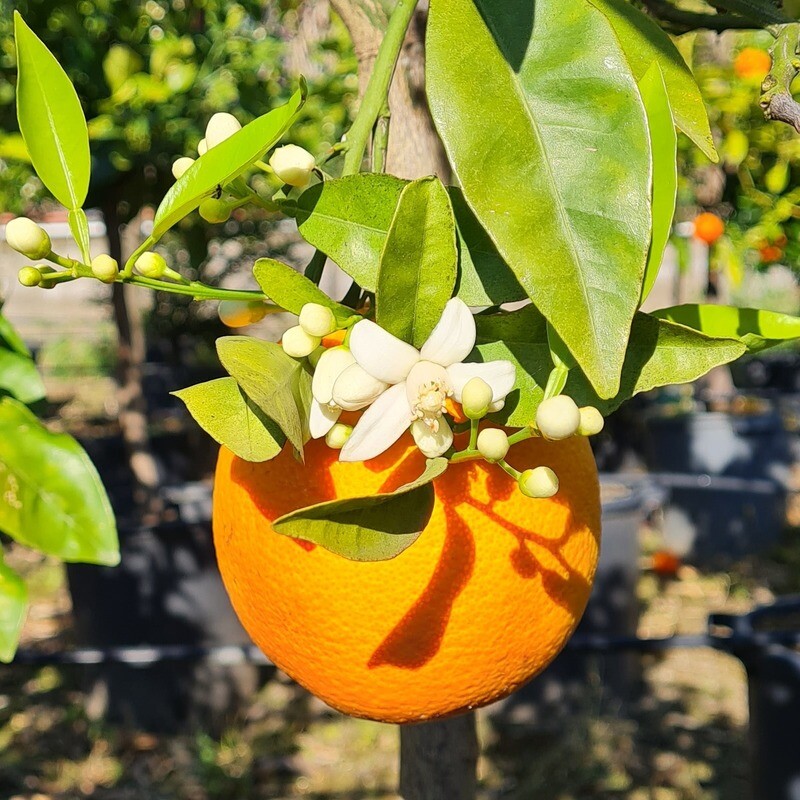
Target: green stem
[
  {"x": 144, "y": 246},
  {"x": 522, "y": 435},
  {"x": 514, "y": 473},
  {"x": 776, "y": 99},
  {"x": 199, "y": 291},
  {"x": 465, "y": 455},
  {"x": 473, "y": 433},
  {"x": 378, "y": 86},
  {"x": 380, "y": 140}
]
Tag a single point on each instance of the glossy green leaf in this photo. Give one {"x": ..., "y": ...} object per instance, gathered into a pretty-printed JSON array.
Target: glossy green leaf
[
  {"x": 51, "y": 497},
  {"x": 659, "y": 353},
  {"x": 664, "y": 147},
  {"x": 645, "y": 42},
  {"x": 228, "y": 415},
  {"x": 348, "y": 219},
  {"x": 221, "y": 164},
  {"x": 13, "y": 608},
  {"x": 19, "y": 377},
  {"x": 270, "y": 378},
  {"x": 546, "y": 131},
  {"x": 418, "y": 264},
  {"x": 79, "y": 227},
  {"x": 757, "y": 329},
  {"x": 11, "y": 340},
  {"x": 291, "y": 290},
  {"x": 484, "y": 279},
  {"x": 51, "y": 119},
  {"x": 373, "y": 528}
]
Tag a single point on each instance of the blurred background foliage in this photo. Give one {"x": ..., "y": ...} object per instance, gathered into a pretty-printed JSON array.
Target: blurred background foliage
[{"x": 150, "y": 74}]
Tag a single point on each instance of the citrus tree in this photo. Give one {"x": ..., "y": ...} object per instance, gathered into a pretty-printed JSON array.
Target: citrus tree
[{"x": 406, "y": 506}]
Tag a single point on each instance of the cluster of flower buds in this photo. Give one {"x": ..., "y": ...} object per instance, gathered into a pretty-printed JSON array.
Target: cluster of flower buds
[
  {"x": 316, "y": 321},
  {"x": 560, "y": 418}
]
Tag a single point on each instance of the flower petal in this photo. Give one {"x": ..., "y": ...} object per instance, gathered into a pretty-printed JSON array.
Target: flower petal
[
  {"x": 382, "y": 424},
  {"x": 384, "y": 356},
  {"x": 453, "y": 338},
  {"x": 321, "y": 418},
  {"x": 432, "y": 444},
  {"x": 355, "y": 388},
  {"x": 500, "y": 375},
  {"x": 332, "y": 363}
]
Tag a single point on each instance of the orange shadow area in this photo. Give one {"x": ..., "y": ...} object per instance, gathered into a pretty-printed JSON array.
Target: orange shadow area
[{"x": 418, "y": 635}]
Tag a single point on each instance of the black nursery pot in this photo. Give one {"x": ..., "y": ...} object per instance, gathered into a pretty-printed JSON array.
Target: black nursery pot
[{"x": 166, "y": 591}]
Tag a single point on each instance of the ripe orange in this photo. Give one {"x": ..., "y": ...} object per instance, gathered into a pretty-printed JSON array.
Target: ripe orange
[
  {"x": 752, "y": 64},
  {"x": 481, "y": 602},
  {"x": 708, "y": 227}
]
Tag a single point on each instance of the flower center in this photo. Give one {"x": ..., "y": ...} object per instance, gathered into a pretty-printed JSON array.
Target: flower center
[{"x": 428, "y": 386}]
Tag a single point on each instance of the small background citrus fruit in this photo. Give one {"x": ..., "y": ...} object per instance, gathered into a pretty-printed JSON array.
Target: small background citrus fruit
[
  {"x": 483, "y": 600},
  {"x": 708, "y": 227}
]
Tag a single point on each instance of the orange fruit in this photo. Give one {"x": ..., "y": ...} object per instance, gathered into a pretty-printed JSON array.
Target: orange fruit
[
  {"x": 708, "y": 227},
  {"x": 752, "y": 64},
  {"x": 482, "y": 601},
  {"x": 770, "y": 254}
]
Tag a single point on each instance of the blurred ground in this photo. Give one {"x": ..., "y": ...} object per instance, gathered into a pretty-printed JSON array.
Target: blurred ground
[{"x": 685, "y": 739}]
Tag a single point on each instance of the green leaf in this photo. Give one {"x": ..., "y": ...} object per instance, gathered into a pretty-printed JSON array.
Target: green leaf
[
  {"x": 418, "y": 264},
  {"x": 645, "y": 42},
  {"x": 348, "y": 218},
  {"x": 13, "y": 608},
  {"x": 546, "y": 131},
  {"x": 51, "y": 119},
  {"x": 663, "y": 146},
  {"x": 270, "y": 378},
  {"x": 659, "y": 353},
  {"x": 228, "y": 415},
  {"x": 51, "y": 497},
  {"x": 10, "y": 339},
  {"x": 19, "y": 378},
  {"x": 757, "y": 329},
  {"x": 79, "y": 227},
  {"x": 221, "y": 164},
  {"x": 484, "y": 279},
  {"x": 373, "y": 528},
  {"x": 290, "y": 290}
]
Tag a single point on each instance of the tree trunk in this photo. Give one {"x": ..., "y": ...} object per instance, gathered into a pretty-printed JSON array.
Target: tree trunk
[{"x": 438, "y": 760}]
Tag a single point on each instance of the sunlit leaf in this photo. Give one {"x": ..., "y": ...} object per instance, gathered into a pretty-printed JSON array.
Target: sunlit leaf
[{"x": 13, "y": 607}]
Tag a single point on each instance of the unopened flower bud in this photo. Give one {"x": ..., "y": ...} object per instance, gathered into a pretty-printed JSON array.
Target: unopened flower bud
[
  {"x": 202, "y": 147},
  {"x": 338, "y": 435},
  {"x": 221, "y": 127},
  {"x": 238, "y": 313},
  {"x": 539, "y": 482},
  {"x": 317, "y": 320},
  {"x": 29, "y": 276},
  {"x": 558, "y": 417},
  {"x": 298, "y": 344},
  {"x": 591, "y": 421},
  {"x": 180, "y": 166},
  {"x": 293, "y": 165},
  {"x": 493, "y": 444},
  {"x": 476, "y": 397},
  {"x": 498, "y": 405},
  {"x": 151, "y": 265},
  {"x": 215, "y": 211},
  {"x": 28, "y": 238},
  {"x": 105, "y": 268}
]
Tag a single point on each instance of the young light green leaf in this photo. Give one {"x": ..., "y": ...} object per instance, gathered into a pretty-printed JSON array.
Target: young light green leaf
[
  {"x": 484, "y": 279},
  {"x": 289, "y": 289},
  {"x": 13, "y": 608},
  {"x": 79, "y": 227},
  {"x": 221, "y": 164},
  {"x": 19, "y": 377},
  {"x": 659, "y": 353},
  {"x": 559, "y": 171},
  {"x": 757, "y": 329},
  {"x": 373, "y": 528},
  {"x": 270, "y": 378},
  {"x": 228, "y": 415},
  {"x": 645, "y": 42},
  {"x": 11, "y": 339},
  {"x": 51, "y": 497},
  {"x": 348, "y": 218},
  {"x": 663, "y": 146},
  {"x": 51, "y": 119},
  {"x": 418, "y": 264}
]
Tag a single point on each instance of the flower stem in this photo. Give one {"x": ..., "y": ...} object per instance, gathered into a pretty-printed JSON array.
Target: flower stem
[
  {"x": 473, "y": 433},
  {"x": 514, "y": 473},
  {"x": 378, "y": 87},
  {"x": 469, "y": 454},
  {"x": 522, "y": 435}
]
